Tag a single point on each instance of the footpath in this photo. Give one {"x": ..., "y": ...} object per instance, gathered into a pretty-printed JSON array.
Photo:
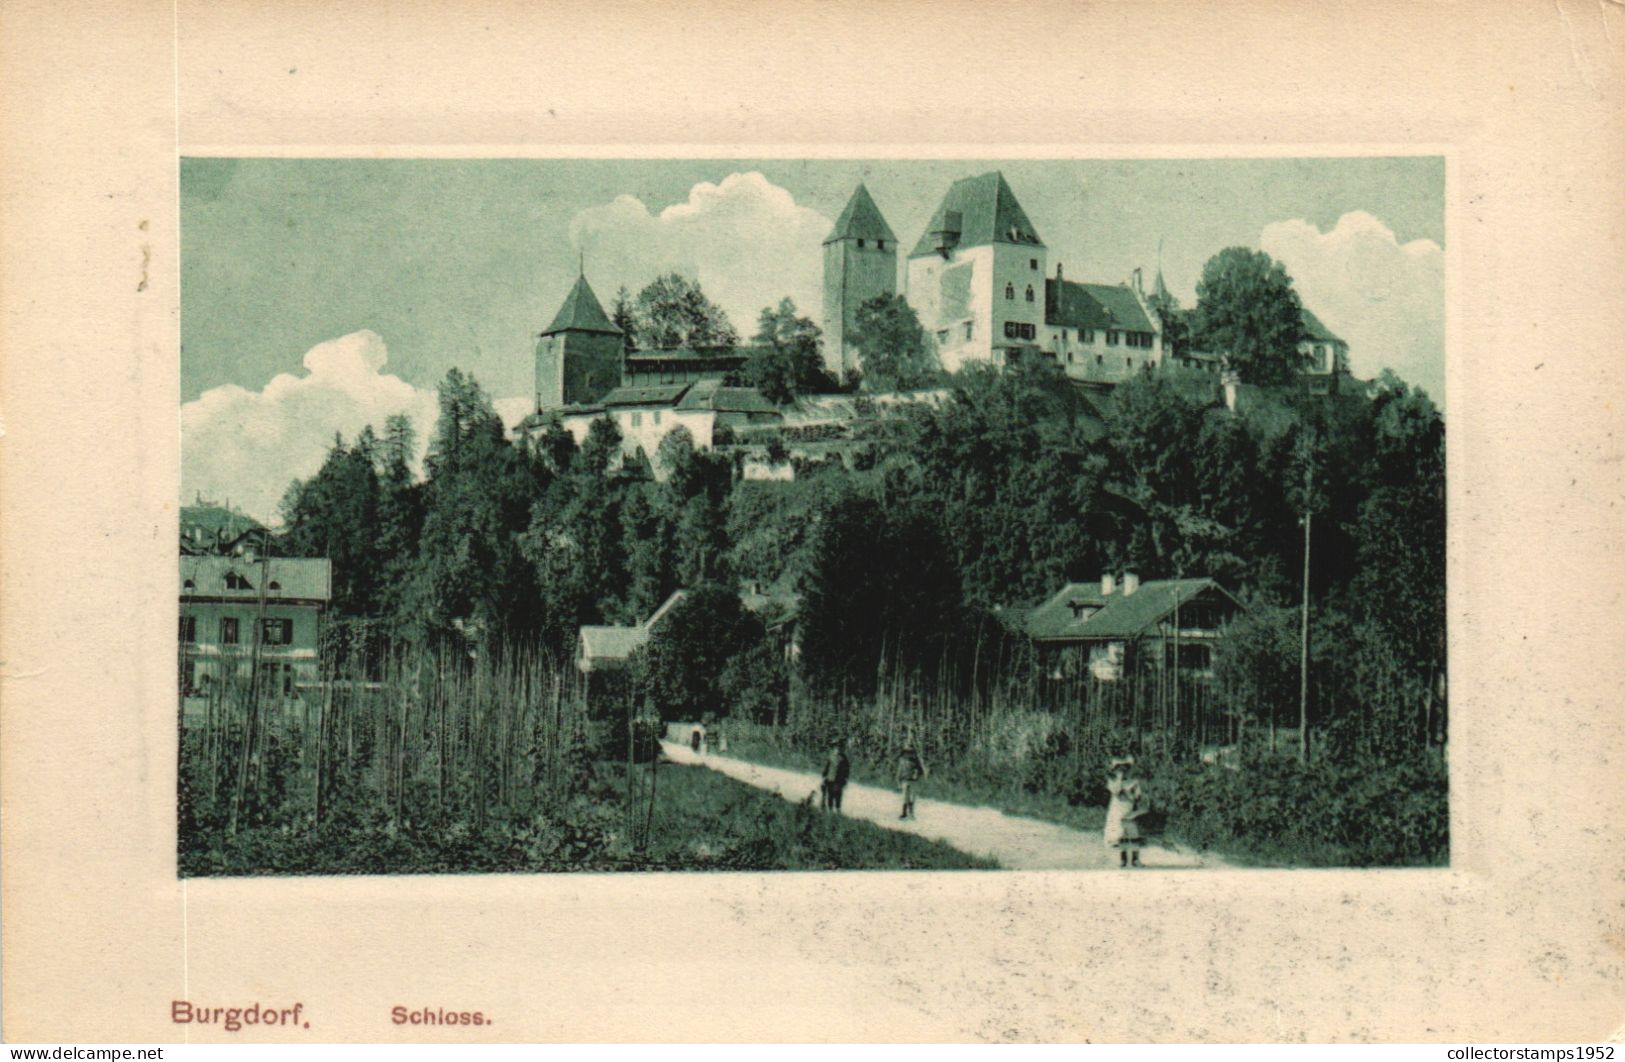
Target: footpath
[{"x": 1015, "y": 843}]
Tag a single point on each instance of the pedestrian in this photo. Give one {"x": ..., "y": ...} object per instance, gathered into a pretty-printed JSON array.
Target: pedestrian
[
  {"x": 910, "y": 769},
  {"x": 1127, "y": 802},
  {"x": 837, "y": 769},
  {"x": 696, "y": 738}
]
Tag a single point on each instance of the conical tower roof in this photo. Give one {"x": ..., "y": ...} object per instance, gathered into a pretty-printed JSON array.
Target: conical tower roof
[
  {"x": 861, "y": 220},
  {"x": 985, "y": 211},
  {"x": 581, "y": 312}
]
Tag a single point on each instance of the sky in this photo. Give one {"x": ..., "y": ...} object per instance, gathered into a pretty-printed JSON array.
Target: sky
[{"x": 321, "y": 295}]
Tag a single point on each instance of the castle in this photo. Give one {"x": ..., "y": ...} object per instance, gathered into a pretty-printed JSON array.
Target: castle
[{"x": 978, "y": 278}]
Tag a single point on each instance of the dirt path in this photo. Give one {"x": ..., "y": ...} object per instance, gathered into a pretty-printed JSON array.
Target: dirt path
[{"x": 1016, "y": 843}]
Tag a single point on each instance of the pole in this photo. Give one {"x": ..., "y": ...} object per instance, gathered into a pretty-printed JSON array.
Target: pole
[{"x": 1303, "y": 654}]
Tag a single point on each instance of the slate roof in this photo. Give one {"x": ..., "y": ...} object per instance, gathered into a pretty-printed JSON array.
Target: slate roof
[
  {"x": 648, "y": 395},
  {"x": 1120, "y": 616},
  {"x": 615, "y": 645},
  {"x": 713, "y": 395},
  {"x": 988, "y": 213},
  {"x": 1101, "y": 306},
  {"x": 581, "y": 312},
  {"x": 297, "y": 578},
  {"x": 1314, "y": 330},
  {"x": 861, "y": 219}
]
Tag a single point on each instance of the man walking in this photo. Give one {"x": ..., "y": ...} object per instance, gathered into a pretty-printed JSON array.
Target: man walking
[{"x": 910, "y": 769}]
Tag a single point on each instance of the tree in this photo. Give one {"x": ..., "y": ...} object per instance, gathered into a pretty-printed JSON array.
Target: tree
[
  {"x": 673, "y": 312},
  {"x": 680, "y": 669},
  {"x": 335, "y": 515},
  {"x": 892, "y": 346},
  {"x": 621, "y": 315},
  {"x": 785, "y": 360},
  {"x": 1247, "y": 310}
]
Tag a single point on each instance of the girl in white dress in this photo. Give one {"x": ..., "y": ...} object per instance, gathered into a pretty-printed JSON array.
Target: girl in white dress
[{"x": 1123, "y": 831}]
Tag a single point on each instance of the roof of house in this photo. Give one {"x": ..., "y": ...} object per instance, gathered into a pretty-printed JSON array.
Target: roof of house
[
  {"x": 287, "y": 578},
  {"x": 696, "y": 354},
  {"x": 1120, "y": 615},
  {"x": 581, "y": 312},
  {"x": 1103, "y": 306},
  {"x": 987, "y": 213},
  {"x": 714, "y": 395},
  {"x": 861, "y": 219},
  {"x": 645, "y": 395},
  {"x": 1314, "y": 330},
  {"x": 615, "y": 645}
]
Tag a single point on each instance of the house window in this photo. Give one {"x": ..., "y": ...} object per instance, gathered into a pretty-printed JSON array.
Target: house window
[
  {"x": 1130, "y": 362},
  {"x": 1086, "y": 335},
  {"x": 1029, "y": 293},
  {"x": 273, "y": 585},
  {"x": 1018, "y": 330},
  {"x": 188, "y": 587},
  {"x": 1100, "y": 359},
  {"x": 657, "y": 416},
  {"x": 942, "y": 337},
  {"x": 1320, "y": 357},
  {"x": 880, "y": 244},
  {"x": 970, "y": 329},
  {"x": 277, "y": 632},
  {"x": 1111, "y": 338},
  {"x": 1069, "y": 357},
  {"x": 188, "y": 629},
  {"x": 860, "y": 245},
  {"x": 228, "y": 630},
  {"x": 1009, "y": 291},
  {"x": 1033, "y": 263},
  {"x": 637, "y": 420},
  {"x": 237, "y": 582}
]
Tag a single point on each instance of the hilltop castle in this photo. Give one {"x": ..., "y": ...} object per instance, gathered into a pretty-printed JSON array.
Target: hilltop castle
[{"x": 978, "y": 278}]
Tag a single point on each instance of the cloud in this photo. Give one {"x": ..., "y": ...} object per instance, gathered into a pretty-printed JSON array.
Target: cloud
[
  {"x": 246, "y": 446},
  {"x": 1384, "y": 297},
  {"x": 745, "y": 240}
]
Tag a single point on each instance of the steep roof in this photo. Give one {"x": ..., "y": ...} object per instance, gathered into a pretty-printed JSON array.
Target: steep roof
[
  {"x": 988, "y": 213},
  {"x": 861, "y": 219},
  {"x": 295, "y": 578},
  {"x": 1314, "y": 330},
  {"x": 649, "y": 395},
  {"x": 1120, "y": 615},
  {"x": 1102, "y": 306},
  {"x": 714, "y": 395},
  {"x": 581, "y": 312},
  {"x": 615, "y": 645}
]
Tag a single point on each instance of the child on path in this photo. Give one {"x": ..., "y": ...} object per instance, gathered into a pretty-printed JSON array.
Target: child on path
[
  {"x": 910, "y": 769},
  {"x": 1127, "y": 802},
  {"x": 837, "y": 769}
]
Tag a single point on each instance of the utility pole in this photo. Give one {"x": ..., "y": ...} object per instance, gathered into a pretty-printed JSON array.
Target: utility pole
[{"x": 1303, "y": 654}]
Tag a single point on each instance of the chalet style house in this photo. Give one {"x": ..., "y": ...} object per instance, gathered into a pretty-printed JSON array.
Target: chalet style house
[{"x": 1103, "y": 630}]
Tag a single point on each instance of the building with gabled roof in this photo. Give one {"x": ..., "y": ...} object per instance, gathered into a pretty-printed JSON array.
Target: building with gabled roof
[
  {"x": 860, "y": 264},
  {"x": 578, "y": 356},
  {"x": 1325, "y": 354},
  {"x": 1101, "y": 627},
  {"x": 236, "y": 609}
]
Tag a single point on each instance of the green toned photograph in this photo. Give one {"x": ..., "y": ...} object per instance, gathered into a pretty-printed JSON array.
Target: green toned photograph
[{"x": 549, "y": 515}]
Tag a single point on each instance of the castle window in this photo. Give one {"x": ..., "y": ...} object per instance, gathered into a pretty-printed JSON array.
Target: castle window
[
  {"x": 860, "y": 245},
  {"x": 637, "y": 420},
  {"x": 1032, "y": 263},
  {"x": 1100, "y": 359},
  {"x": 1111, "y": 338},
  {"x": 1130, "y": 362},
  {"x": 1069, "y": 357},
  {"x": 880, "y": 244},
  {"x": 1086, "y": 335},
  {"x": 657, "y": 416},
  {"x": 1009, "y": 291},
  {"x": 1029, "y": 293},
  {"x": 942, "y": 337},
  {"x": 970, "y": 329}
]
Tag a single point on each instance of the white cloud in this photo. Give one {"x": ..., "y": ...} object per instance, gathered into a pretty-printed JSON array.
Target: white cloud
[
  {"x": 745, "y": 240},
  {"x": 1384, "y": 297},
  {"x": 246, "y": 446}
]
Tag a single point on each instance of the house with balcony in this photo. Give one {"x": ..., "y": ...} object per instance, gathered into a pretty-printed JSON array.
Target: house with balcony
[
  {"x": 1103, "y": 630},
  {"x": 236, "y": 609}
]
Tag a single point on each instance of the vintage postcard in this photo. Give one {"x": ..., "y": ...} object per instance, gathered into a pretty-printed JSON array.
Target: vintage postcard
[
  {"x": 811, "y": 514},
  {"x": 640, "y": 527}
]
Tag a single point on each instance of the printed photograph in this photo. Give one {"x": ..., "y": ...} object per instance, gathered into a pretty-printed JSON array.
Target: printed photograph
[{"x": 547, "y": 515}]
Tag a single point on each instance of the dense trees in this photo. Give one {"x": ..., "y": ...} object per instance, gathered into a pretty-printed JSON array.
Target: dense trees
[
  {"x": 786, "y": 358},
  {"x": 1247, "y": 309},
  {"x": 671, "y": 312},
  {"x": 892, "y": 346}
]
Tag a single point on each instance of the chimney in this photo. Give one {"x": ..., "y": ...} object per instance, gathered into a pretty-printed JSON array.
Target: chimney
[
  {"x": 1059, "y": 275},
  {"x": 1131, "y": 583},
  {"x": 1108, "y": 585}
]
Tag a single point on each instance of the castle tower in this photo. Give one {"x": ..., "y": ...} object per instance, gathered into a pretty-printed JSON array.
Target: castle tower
[
  {"x": 976, "y": 278},
  {"x": 860, "y": 263},
  {"x": 578, "y": 358}
]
